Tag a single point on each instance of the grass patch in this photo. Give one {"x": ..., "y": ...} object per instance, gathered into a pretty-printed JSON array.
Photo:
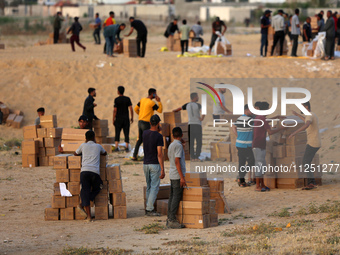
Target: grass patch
[
  {"x": 261, "y": 229},
  {"x": 153, "y": 228},
  {"x": 333, "y": 240},
  {"x": 135, "y": 174},
  {"x": 98, "y": 251},
  {"x": 283, "y": 213},
  {"x": 232, "y": 249},
  {"x": 10, "y": 178}
]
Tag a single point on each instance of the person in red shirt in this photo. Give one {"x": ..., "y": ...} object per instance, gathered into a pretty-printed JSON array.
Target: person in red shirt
[{"x": 261, "y": 128}]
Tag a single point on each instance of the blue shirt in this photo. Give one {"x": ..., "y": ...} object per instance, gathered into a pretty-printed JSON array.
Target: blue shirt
[
  {"x": 244, "y": 132},
  {"x": 265, "y": 21},
  {"x": 98, "y": 21}
]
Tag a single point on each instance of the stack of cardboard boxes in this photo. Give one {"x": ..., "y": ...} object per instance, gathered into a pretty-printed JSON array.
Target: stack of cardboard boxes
[
  {"x": 173, "y": 43},
  {"x": 172, "y": 120},
  {"x": 221, "y": 151},
  {"x": 72, "y": 138},
  {"x": 101, "y": 130},
  {"x": 12, "y": 118},
  {"x": 130, "y": 48},
  {"x": 271, "y": 33},
  {"x": 161, "y": 203}
]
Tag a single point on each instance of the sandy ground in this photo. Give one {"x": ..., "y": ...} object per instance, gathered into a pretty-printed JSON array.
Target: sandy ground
[{"x": 54, "y": 77}]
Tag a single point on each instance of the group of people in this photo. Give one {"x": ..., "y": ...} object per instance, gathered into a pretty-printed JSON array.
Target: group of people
[{"x": 290, "y": 25}]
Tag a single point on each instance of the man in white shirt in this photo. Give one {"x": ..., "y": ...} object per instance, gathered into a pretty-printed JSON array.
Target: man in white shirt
[
  {"x": 295, "y": 32},
  {"x": 279, "y": 26},
  {"x": 219, "y": 109}
]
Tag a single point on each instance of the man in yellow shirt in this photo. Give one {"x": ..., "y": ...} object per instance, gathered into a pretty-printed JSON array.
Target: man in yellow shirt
[{"x": 145, "y": 109}]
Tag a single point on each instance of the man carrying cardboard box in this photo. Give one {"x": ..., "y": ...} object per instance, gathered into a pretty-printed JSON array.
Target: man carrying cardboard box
[
  {"x": 142, "y": 34},
  {"x": 153, "y": 163},
  {"x": 145, "y": 109},
  {"x": 41, "y": 112},
  {"x": 313, "y": 142},
  {"x": 89, "y": 106},
  {"x": 91, "y": 184},
  {"x": 177, "y": 176}
]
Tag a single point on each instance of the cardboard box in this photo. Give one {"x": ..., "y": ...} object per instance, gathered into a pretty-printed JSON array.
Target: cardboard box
[
  {"x": 41, "y": 132},
  {"x": 165, "y": 129},
  {"x": 216, "y": 184},
  {"x": 42, "y": 152},
  {"x": 101, "y": 213},
  {"x": 195, "y": 221},
  {"x": 54, "y": 132},
  {"x": 51, "y": 214},
  {"x": 72, "y": 201},
  {"x": 43, "y": 161},
  {"x": 10, "y": 119},
  {"x": 162, "y": 206},
  {"x": 108, "y": 148},
  {"x": 100, "y": 123},
  {"x": 30, "y": 147},
  {"x": 113, "y": 172},
  {"x": 30, "y": 132},
  {"x": 193, "y": 208},
  {"x": 4, "y": 109},
  {"x": 110, "y": 140},
  {"x": 184, "y": 126},
  {"x": 101, "y": 199},
  {"x": 172, "y": 117},
  {"x": 220, "y": 150},
  {"x": 51, "y": 160},
  {"x": 62, "y": 175},
  {"x": 70, "y": 146},
  {"x": 74, "y": 175},
  {"x": 52, "y": 142},
  {"x": 213, "y": 220},
  {"x": 163, "y": 193},
  {"x": 270, "y": 181},
  {"x": 40, "y": 142},
  {"x": 103, "y": 160},
  {"x": 67, "y": 213},
  {"x": 60, "y": 161},
  {"x": 100, "y": 132},
  {"x": 74, "y": 162},
  {"x": 288, "y": 183},
  {"x": 56, "y": 189},
  {"x": 119, "y": 199},
  {"x": 299, "y": 138},
  {"x": 48, "y": 121},
  {"x": 194, "y": 179},
  {"x": 219, "y": 205},
  {"x": 103, "y": 173},
  {"x": 78, "y": 215},
  {"x": 115, "y": 186},
  {"x": 295, "y": 150},
  {"x": 74, "y": 134},
  {"x": 17, "y": 122},
  {"x": 52, "y": 151},
  {"x": 279, "y": 151},
  {"x": 119, "y": 212},
  {"x": 289, "y": 161},
  {"x": 212, "y": 205},
  {"x": 58, "y": 202},
  {"x": 196, "y": 194},
  {"x": 101, "y": 140},
  {"x": 73, "y": 187}
]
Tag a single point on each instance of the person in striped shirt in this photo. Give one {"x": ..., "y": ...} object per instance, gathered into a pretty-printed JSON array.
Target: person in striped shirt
[{"x": 244, "y": 133}]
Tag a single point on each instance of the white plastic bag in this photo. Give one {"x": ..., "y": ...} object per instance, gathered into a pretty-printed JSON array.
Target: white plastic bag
[
  {"x": 319, "y": 51},
  {"x": 223, "y": 41}
]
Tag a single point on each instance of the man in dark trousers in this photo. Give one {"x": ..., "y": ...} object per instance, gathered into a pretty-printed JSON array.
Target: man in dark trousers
[
  {"x": 329, "y": 28},
  {"x": 91, "y": 184},
  {"x": 170, "y": 31},
  {"x": 98, "y": 27},
  {"x": 142, "y": 34},
  {"x": 265, "y": 23},
  {"x": 57, "y": 25},
  {"x": 279, "y": 26},
  {"x": 75, "y": 29},
  {"x": 216, "y": 27},
  {"x": 121, "y": 108},
  {"x": 307, "y": 30},
  {"x": 153, "y": 163},
  {"x": 89, "y": 106}
]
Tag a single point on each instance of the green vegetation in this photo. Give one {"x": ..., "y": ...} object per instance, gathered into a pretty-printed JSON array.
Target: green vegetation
[
  {"x": 153, "y": 228},
  {"x": 98, "y": 251}
]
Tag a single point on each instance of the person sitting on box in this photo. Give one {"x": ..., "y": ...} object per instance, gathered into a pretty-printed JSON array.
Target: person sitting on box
[
  {"x": 90, "y": 181},
  {"x": 198, "y": 32},
  {"x": 177, "y": 176},
  {"x": 313, "y": 142},
  {"x": 41, "y": 112},
  {"x": 83, "y": 124}
]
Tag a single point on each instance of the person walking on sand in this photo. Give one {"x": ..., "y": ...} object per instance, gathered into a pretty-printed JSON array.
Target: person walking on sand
[
  {"x": 98, "y": 27},
  {"x": 75, "y": 29},
  {"x": 91, "y": 183},
  {"x": 89, "y": 106},
  {"x": 295, "y": 32},
  {"x": 185, "y": 30},
  {"x": 153, "y": 165},
  {"x": 121, "y": 120},
  {"x": 145, "y": 109},
  {"x": 142, "y": 34},
  {"x": 216, "y": 27},
  {"x": 57, "y": 26}
]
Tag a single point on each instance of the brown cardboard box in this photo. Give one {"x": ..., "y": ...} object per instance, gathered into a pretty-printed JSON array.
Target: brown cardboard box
[
  {"x": 74, "y": 134},
  {"x": 72, "y": 201},
  {"x": 216, "y": 184},
  {"x": 299, "y": 138},
  {"x": 56, "y": 189},
  {"x": 295, "y": 150},
  {"x": 219, "y": 205},
  {"x": 165, "y": 129},
  {"x": 194, "y": 179},
  {"x": 119, "y": 199},
  {"x": 100, "y": 123},
  {"x": 115, "y": 186},
  {"x": 101, "y": 199},
  {"x": 52, "y": 151},
  {"x": 30, "y": 147},
  {"x": 184, "y": 126},
  {"x": 43, "y": 161},
  {"x": 163, "y": 193},
  {"x": 270, "y": 181},
  {"x": 101, "y": 140},
  {"x": 101, "y": 213},
  {"x": 289, "y": 161},
  {"x": 195, "y": 221},
  {"x": 51, "y": 214},
  {"x": 220, "y": 150},
  {"x": 291, "y": 172},
  {"x": 52, "y": 142},
  {"x": 62, "y": 175},
  {"x": 213, "y": 220},
  {"x": 58, "y": 202},
  {"x": 103, "y": 160},
  {"x": 74, "y": 175},
  {"x": 4, "y": 109},
  {"x": 103, "y": 173},
  {"x": 283, "y": 183},
  {"x": 107, "y": 148},
  {"x": 42, "y": 152},
  {"x": 70, "y": 146},
  {"x": 110, "y": 140},
  {"x": 40, "y": 142},
  {"x": 41, "y": 132},
  {"x": 51, "y": 160},
  {"x": 29, "y": 160},
  {"x": 48, "y": 121},
  {"x": 60, "y": 161},
  {"x": 30, "y": 132},
  {"x": 196, "y": 194},
  {"x": 172, "y": 117},
  {"x": 162, "y": 206},
  {"x": 101, "y": 131},
  {"x": 67, "y": 213},
  {"x": 17, "y": 122},
  {"x": 54, "y": 132},
  {"x": 18, "y": 112},
  {"x": 279, "y": 151},
  {"x": 10, "y": 119},
  {"x": 78, "y": 215},
  {"x": 193, "y": 208},
  {"x": 74, "y": 162},
  {"x": 119, "y": 212},
  {"x": 214, "y": 194},
  {"x": 212, "y": 205},
  {"x": 113, "y": 172},
  {"x": 220, "y": 50},
  {"x": 73, "y": 187}
]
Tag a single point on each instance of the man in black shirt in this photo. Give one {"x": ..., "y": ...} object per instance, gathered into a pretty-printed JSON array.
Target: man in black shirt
[
  {"x": 153, "y": 163},
  {"x": 142, "y": 33},
  {"x": 216, "y": 27},
  {"x": 89, "y": 105},
  {"x": 121, "y": 120},
  {"x": 75, "y": 29},
  {"x": 265, "y": 23},
  {"x": 307, "y": 31}
]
